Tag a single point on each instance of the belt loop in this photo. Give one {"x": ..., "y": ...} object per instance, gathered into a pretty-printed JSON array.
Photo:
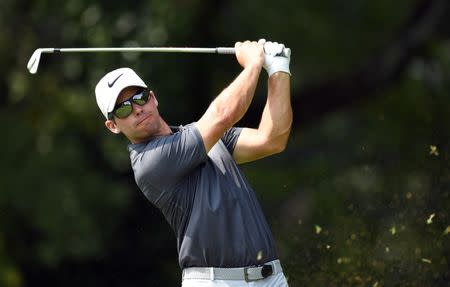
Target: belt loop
[
  {"x": 275, "y": 267},
  {"x": 211, "y": 273}
]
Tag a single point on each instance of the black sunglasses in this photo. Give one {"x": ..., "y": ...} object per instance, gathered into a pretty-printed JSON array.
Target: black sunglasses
[{"x": 124, "y": 109}]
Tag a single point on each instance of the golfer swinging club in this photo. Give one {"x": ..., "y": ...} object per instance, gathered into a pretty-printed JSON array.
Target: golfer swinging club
[{"x": 190, "y": 172}]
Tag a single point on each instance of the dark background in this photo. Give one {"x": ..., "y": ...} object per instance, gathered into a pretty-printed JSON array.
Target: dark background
[{"x": 360, "y": 197}]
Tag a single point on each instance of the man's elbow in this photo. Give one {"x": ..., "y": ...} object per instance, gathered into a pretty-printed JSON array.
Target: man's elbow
[
  {"x": 223, "y": 116},
  {"x": 280, "y": 147},
  {"x": 279, "y": 144}
]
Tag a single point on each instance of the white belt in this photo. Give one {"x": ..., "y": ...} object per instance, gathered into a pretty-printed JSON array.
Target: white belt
[{"x": 251, "y": 273}]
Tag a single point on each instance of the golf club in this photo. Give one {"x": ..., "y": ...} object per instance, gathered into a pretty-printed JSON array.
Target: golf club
[{"x": 33, "y": 63}]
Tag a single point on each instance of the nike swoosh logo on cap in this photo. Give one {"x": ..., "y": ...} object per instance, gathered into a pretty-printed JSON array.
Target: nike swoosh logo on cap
[{"x": 113, "y": 82}]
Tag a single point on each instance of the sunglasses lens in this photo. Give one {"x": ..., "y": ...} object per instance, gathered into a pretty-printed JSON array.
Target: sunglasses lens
[
  {"x": 124, "y": 110},
  {"x": 141, "y": 98}
]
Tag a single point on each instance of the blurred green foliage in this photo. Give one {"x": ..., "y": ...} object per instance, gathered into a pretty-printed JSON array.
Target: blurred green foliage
[{"x": 359, "y": 198}]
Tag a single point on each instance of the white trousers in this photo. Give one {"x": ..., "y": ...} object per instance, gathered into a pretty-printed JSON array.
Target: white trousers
[{"x": 276, "y": 280}]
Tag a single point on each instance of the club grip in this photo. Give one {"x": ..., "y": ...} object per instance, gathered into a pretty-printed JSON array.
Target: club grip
[{"x": 223, "y": 50}]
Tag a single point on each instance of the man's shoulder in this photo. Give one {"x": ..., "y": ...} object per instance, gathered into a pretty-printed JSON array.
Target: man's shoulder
[{"x": 154, "y": 142}]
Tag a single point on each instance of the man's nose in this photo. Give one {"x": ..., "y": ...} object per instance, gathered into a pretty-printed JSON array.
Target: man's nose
[{"x": 137, "y": 109}]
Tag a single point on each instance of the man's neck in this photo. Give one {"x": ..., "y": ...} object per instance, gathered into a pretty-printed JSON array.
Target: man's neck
[{"x": 165, "y": 129}]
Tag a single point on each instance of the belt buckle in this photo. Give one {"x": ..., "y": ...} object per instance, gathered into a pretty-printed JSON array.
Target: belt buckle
[
  {"x": 266, "y": 271},
  {"x": 246, "y": 275}
]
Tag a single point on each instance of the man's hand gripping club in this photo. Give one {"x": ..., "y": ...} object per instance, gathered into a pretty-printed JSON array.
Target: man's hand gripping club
[
  {"x": 250, "y": 54},
  {"x": 276, "y": 57}
]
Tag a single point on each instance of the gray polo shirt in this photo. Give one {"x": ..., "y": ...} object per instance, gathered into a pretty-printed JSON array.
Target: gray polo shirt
[{"x": 205, "y": 198}]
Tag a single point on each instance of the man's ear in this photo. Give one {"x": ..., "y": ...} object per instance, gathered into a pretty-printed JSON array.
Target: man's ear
[{"x": 111, "y": 125}]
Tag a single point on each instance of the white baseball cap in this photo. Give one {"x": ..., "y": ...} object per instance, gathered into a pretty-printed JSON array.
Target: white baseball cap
[{"x": 110, "y": 86}]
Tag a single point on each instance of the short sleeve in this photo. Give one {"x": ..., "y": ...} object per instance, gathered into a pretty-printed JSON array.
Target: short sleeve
[
  {"x": 163, "y": 161},
  {"x": 230, "y": 138}
]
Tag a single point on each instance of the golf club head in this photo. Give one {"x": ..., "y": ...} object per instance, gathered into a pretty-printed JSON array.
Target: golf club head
[{"x": 33, "y": 63}]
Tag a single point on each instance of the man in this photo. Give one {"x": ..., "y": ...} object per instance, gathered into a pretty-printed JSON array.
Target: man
[{"x": 190, "y": 172}]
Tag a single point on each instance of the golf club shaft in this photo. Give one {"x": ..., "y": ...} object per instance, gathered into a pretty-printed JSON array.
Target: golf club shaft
[
  {"x": 218, "y": 50},
  {"x": 33, "y": 63}
]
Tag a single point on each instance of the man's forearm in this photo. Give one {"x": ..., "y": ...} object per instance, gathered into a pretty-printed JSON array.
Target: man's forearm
[
  {"x": 229, "y": 106},
  {"x": 233, "y": 102},
  {"x": 276, "y": 119}
]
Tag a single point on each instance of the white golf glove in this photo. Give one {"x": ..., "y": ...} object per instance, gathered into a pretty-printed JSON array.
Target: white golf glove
[{"x": 275, "y": 58}]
